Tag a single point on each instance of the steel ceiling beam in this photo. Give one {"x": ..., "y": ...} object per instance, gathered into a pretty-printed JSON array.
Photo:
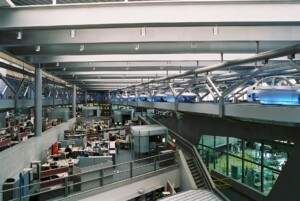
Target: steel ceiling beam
[
  {"x": 119, "y": 64},
  {"x": 139, "y": 58},
  {"x": 192, "y": 35},
  {"x": 141, "y": 14}
]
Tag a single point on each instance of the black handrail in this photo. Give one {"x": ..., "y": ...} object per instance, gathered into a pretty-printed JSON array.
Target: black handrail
[{"x": 190, "y": 149}]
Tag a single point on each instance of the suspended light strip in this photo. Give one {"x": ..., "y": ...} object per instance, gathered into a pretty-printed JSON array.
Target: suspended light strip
[
  {"x": 136, "y": 47},
  {"x": 81, "y": 48},
  {"x": 216, "y": 30},
  {"x": 37, "y": 48},
  {"x": 143, "y": 31},
  {"x": 19, "y": 35},
  {"x": 73, "y": 33}
]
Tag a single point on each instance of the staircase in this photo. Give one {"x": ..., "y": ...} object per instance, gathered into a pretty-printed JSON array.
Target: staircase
[{"x": 196, "y": 174}]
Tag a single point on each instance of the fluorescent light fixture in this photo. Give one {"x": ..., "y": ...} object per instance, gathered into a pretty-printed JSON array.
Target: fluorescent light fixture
[
  {"x": 164, "y": 140},
  {"x": 90, "y": 63},
  {"x": 143, "y": 31},
  {"x": 37, "y": 48},
  {"x": 81, "y": 48},
  {"x": 216, "y": 30},
  {"x": 19, "y": 35},
  {"x": 73, "y": 33},
  {"x": 136, "y": 47},
  {"x": 94, "y": 68}
]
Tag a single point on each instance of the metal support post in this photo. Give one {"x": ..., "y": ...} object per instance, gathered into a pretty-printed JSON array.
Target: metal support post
[
  {"x": 213, "y": 86},
  {"x": 176, "y": 104},
  {"x": 131, "y": 169},
  {"x": 215, "y": 154},
  {"x": 262, "y": 166},
  {"x": 101, "y": 177},
  {"x": 221, "y": 106},
  {"x": 66, "y": 187},
  {"x": 85, "y": 97},
  {"x": 204, "y": 95},
  {"x": 232, "y": 88},
  {"x": 38, "y": 102},
  {"x": 227, "y": 156},
  {"x": 243, "y": 160},
  {"x": 74, "y": 101},
  {"x": 154, "y": 163}
]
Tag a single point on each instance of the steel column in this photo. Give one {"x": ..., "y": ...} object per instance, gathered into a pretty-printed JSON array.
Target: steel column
[
  {"x": 85, "y": 97},
  {"x": 232, "y": 88},
  {"x": 74, "y": 101},
  {"x": 213, "y": 86},
  {"x": 38, "y": 101}
]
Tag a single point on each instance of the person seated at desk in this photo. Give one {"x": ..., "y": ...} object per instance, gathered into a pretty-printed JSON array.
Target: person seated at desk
[
  {"x": 98, "y": 127},
  {"x": 28, "y": 124},
  {"x": 69, "y": 150}
]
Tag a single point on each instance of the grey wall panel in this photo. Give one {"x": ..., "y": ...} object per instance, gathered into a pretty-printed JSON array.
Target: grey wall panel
[
  {"x": 206, "y": 108},
  {"x": 47, "y": 102},
  {"x": 164, "y": 106},
  {"x": 6, "y": 103},
  {"x": 145, "y": 104},
  {"x": 288, "y": 114},
  {"x": 21, "y": 103}
]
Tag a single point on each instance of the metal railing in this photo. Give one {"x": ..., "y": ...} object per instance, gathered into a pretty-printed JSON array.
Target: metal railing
[
  {"x": 191, "y": 150},
  {"x": 101, "y": 177}
]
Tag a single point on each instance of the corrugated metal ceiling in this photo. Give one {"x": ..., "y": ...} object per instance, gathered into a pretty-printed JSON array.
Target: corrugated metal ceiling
[
  {"x": 47, "y": 2},
  {"x": 31, "y": 2}
]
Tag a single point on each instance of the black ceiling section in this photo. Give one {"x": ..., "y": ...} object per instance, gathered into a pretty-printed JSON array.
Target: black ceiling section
[{"x": 31, "y": 2}]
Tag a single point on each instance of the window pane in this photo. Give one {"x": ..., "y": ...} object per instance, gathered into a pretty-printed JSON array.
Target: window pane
[
  {"x": 270, "y": 178},
  {"x": 235, "y": 168},
  {"x": 220, "y": 162},
  {"x": 235, "y": 146},
  {"x": 252, "y": 151},
  {"x": 221, "y": 144},
  {"x": 207, "y": 140},
  {"x": 252, "y": 175}
]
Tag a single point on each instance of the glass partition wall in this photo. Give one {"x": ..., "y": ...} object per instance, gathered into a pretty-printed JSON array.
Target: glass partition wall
[{"x": 255, "y": 163}]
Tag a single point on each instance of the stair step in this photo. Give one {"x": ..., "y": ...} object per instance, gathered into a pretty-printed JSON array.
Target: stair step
[
  {"x": 199, "y": 180},
  {"x": 190, "y": 161},
  {"x": 193, "y": 168},
  {"x": 200, "y": 185},
  {"x": 196, "y": 177}
]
